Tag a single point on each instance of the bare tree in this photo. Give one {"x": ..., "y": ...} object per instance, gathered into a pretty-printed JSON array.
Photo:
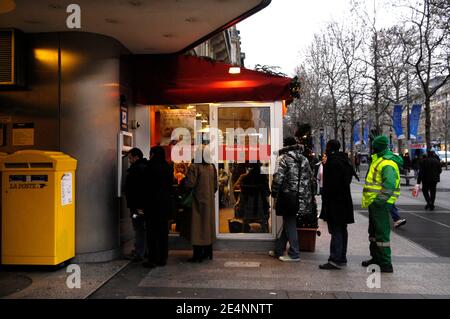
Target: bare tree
[
  {"x": 395, "y": 56},
  {"x": 325, "y": 50},
  {"x": 348, "y": 42},
  {"x": 430, "y": 21}
]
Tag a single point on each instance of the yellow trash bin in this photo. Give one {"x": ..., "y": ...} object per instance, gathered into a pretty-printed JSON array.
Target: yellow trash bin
[{"x": 38, "y": 208}]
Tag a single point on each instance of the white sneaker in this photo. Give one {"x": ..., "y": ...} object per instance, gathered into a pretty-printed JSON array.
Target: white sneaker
[
  {"x": 288, "y": 258},
  {"x": 272, "y": 253},
  {"x": 399, "y": 223}
]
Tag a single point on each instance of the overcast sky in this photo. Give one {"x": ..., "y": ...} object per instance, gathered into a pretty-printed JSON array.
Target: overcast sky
[{"x": 278, "y": 34}]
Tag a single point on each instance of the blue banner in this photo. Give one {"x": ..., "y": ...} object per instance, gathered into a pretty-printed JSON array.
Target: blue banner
[
  {"x": 415, "y": 120},
  {"x": 322, "y": 143},
  {"x": 366, "y": 133},
  {"x": 356, "y": 138},
  {"x": 397, "y": 121}
]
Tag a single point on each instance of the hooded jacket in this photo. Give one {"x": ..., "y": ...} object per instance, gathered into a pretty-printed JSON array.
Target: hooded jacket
[
  {"x": 337, "y": 203},
  {"x": 389, "y": 175},
  {"x": 293, "y": 168}
]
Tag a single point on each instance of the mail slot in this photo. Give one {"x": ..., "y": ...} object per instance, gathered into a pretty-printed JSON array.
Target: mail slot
[{"x": 38, "y": 208}]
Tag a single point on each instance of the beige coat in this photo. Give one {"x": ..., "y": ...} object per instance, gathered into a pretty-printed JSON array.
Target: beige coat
[{"x": 202, "y": 178}]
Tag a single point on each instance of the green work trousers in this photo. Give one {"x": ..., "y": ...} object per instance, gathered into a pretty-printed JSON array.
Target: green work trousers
[{"x": 379, "y": 233}]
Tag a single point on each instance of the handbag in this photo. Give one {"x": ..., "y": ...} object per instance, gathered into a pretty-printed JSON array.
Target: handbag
[
  {"x": 187, "y": 200},
  {"x": 287, "y": 204}
]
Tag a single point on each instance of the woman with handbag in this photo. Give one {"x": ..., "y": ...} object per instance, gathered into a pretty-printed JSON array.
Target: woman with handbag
[
  {"x": 292, "y": 191},
  {"x": 201, "y": 180}
]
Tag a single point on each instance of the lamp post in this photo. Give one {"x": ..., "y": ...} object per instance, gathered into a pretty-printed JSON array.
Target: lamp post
[
  {"x": 446, "y": 132},
  {"x": 343, "y": 121},
  {"x": 321, "y": 141},
  {"x": 390, "y": 139}
]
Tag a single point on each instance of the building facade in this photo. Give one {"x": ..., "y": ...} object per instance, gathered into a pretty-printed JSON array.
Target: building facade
[
  {"x": 223, "y": 47},
  {"x": 79, "y": 92}
]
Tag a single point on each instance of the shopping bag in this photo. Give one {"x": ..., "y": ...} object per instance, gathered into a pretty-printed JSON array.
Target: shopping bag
[{"x": 415, "y": 191}]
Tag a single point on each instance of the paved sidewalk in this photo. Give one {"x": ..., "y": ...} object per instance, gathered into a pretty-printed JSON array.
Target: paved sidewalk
[
  {"x": 46, "y": 283},
  {"x": 419, "y": 272}
]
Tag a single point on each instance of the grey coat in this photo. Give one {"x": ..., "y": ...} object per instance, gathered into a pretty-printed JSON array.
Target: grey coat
[
  {"x": 292, "y": 168},
  {"x": 202, "y": 179}
]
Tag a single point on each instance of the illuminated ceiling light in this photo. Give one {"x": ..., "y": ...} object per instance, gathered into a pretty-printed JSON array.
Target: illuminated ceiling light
[
  {"x": 234, "y": 70},
  {"x": 7, "y": 6}
]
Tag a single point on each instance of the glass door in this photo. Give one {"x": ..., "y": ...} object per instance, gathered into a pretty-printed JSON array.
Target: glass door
[{"x": 243, "y": 202}]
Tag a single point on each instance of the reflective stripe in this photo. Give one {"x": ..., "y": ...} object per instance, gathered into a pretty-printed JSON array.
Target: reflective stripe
[
  {"x": 375, "y": 171},
  {"x": 381, "y": 244},
  {"x": 372, "y": 184},
  {"x": 381, "y": 191}
]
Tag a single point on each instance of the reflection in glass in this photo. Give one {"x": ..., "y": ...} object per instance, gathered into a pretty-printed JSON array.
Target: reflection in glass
[{"x": 243, "y": 189}]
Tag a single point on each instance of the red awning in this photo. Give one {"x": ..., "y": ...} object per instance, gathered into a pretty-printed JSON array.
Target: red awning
[{"x": 181, "y": 79}]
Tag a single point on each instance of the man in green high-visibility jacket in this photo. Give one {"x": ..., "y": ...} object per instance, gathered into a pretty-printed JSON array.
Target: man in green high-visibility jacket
[{"x": 381, "y": 191}]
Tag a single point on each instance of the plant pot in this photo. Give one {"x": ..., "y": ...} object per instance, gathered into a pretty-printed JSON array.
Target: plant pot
[{"x": 307, "y": 238}]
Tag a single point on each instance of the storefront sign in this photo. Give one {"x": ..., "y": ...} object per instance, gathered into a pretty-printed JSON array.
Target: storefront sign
[
  {"x": 243, "y": 153},
  {"x": 23, "y": 134}
]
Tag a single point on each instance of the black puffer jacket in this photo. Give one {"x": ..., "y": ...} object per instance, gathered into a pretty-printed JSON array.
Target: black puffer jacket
[{"x": 292, "y": 168}]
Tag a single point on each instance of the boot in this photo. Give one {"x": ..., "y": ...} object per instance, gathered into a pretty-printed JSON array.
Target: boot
[
  {"x": 367, "y": 263},
  {"x": 386, "y": 268},
  {"x": 208, "y": 252},
  {"x": 196, "y": 255}
]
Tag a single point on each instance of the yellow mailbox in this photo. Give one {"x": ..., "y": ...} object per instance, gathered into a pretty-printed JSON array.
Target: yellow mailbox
[{"x": 38, "y": 208}]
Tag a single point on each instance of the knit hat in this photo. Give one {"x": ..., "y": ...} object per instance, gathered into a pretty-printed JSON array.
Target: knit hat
[
  {"x": 380, "y": 143},
  {"x": 290, "y": 141},
  {"x": 333, "y": 146}
]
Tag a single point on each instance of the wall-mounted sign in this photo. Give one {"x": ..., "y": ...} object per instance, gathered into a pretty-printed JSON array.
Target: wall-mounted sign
[
  {"x": 66, "y": 189},
  {"x": 23, "y": 134},
  {"x": 172, "y": 119},
  {"x": 124, "y": 118}
]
